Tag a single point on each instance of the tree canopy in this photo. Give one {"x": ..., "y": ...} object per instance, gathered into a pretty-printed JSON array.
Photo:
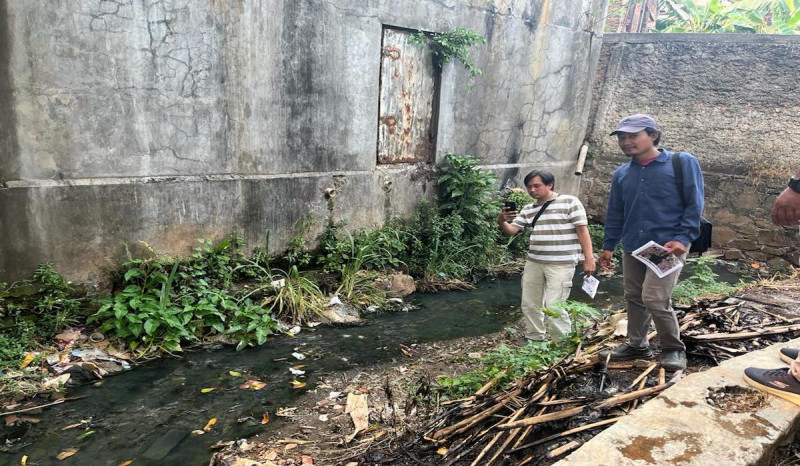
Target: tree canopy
[{"x": 725, "y": 16}]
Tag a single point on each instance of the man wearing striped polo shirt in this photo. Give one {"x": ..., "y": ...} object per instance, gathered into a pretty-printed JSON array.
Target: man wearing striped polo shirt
[{"x": 558, "y": 236}]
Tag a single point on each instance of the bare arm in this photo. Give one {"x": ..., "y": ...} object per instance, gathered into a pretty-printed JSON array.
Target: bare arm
[{"x": 585, "y": 241}]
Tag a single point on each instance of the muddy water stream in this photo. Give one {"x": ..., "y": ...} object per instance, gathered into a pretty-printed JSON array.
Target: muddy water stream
[{"x": 148, "y": 414}]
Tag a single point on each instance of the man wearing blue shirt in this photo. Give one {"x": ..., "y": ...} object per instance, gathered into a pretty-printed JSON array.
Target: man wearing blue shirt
[{"x": 645, "y": 204}]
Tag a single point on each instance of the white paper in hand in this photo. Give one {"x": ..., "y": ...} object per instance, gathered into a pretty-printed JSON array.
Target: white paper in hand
[{"x": 590, "y": 285}]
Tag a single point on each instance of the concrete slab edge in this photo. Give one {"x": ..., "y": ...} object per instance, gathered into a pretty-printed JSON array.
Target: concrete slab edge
[{"x": 680, "y": 426}]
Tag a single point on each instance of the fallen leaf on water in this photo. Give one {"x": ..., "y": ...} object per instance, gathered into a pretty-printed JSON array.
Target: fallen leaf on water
[
  {"x": 235, "y": 374},
  {"x": 56, "y": 381},
  {"x": 206, "y": 390},
  {"x": 220, "y": 445},
  {"x": 442, "y": 451},
  {"x": 66, "y": 454},
  {"x": 252, "y": 385},
  {"x": 211, "y": 422},
  {"x": 24, "y": 460},
  {"x": 126, "y": 463},
  {"x": 265, "y": 418},
  {"x": 297, "y": 384},
  {"x": 755, "y": 265},
  {"x": 72, "y": 426},
  {"x": 290, "y": 446},
  {"x": 85, "y": 434},
  {"x": 30, "y": 420},
  {"x": 28, "y": 359},
  {"x": 198, "y": 432},
  {"x": 11, "y": 420}
]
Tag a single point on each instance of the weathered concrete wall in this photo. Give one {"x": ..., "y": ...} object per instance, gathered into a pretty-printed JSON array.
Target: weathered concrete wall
[
  {"x": 166, "y": 121},
  {"x": 732, "y": 100}
]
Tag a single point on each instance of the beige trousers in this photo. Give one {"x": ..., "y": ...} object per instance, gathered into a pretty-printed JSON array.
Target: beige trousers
[{"x": 542, "y": 285}]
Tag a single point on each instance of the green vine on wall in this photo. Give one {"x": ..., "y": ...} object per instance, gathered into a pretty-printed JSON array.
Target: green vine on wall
[{"x": 446, "y": 46}]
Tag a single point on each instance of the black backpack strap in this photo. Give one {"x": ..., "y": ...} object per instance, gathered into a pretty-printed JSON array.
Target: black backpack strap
[{"x": 678, "y": 169}]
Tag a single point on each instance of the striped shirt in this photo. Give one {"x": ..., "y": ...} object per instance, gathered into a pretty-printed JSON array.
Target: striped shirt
[{"x": 554, "y": 239}]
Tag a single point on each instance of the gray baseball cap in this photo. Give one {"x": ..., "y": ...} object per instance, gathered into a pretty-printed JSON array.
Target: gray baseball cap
[{"x": 635, "y": 123}]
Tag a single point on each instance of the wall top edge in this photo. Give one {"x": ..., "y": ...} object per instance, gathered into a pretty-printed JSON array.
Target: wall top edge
[{"x": 646, "y": 38}]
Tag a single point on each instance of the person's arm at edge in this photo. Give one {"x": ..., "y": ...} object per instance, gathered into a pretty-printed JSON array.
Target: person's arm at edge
[
  {"x": 786, "y": 209},
  {"x": 585, "y": 241}
]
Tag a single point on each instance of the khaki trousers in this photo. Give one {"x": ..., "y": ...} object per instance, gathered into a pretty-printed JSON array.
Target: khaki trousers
[
  {"x": 542, "y": 285},
  {"x": 649, "y": 298}
]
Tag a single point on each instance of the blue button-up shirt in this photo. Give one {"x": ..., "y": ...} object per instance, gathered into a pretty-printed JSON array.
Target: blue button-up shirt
[{"x": 645, "y": 204}]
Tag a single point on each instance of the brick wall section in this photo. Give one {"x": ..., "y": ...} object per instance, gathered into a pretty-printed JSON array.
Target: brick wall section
[
  {"x": 631, "y": 16},
  {"x": 729, "y": 99}
]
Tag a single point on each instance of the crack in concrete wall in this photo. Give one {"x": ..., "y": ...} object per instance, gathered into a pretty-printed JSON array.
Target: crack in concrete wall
[{"x": 169, "y": 120}]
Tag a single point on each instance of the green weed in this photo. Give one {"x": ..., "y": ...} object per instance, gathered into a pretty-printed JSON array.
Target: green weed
[
  {"x": 297, "y": 299},
  {"x": 702, "y": 282}
]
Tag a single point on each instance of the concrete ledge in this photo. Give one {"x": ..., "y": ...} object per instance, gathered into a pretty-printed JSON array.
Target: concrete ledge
[{"x": 680, "y": 427}]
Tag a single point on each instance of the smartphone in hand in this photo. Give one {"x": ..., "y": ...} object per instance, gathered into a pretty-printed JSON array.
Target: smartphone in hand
[{"x": 510, "y": 206}]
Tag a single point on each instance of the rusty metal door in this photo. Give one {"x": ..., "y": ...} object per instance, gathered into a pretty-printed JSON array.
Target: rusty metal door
[{"x": 406, "y": 110}]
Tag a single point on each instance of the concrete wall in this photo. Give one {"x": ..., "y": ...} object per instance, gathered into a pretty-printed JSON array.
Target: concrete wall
[
  {"x": 170, "y": 120},
  {"x": 732, "y": 100}
]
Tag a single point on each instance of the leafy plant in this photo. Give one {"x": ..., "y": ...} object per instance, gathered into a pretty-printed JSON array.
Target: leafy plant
[
  {"x": 505, "y": 364},
  {"x": 297, "y": 299},
  {"x": 466, "y": 190},
  {"x": 251, "y": 324},
  {"x": 721, "y": 16},
  {"x": 297, "y": 252},
  {"x": 446, "y": 46},
  {"x": 701, "y": 283},
  {"x": 580, "y": 314}
]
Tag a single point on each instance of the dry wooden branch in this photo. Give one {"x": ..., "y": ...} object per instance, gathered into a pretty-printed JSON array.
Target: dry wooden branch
[
  {"x": 472, "y": 420},
  {"x": 728, "y": 349},
  {"x": 639, "y": 363},
  {"x": 563, "y": 449},
  {"x": 619, "y": 399},
  {"x": 761, "y": 301},
  {"x": 57, "y": 402},
  {"x": 776, "y": 315},
  {"x": 725, "y": 308},
  {"x": 744, "y": 335},
  {"x": 561, "y": 402},
  {"x": 494, "y": 440},
  {"x": 643, "y": 374},
  {"x": 543, "y": 418},
  {"x": 635, "y": 402},
  {"x": 662, "y": 376},
  {"x": 565, "y": 433},
  {"x": 489, "y": 384}
]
